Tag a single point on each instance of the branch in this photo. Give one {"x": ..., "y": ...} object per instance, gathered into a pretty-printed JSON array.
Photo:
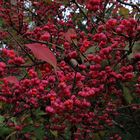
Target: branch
[
  {"x": 25, "y": 66},
  {"x": 78, "y": 50},
  {"x": 74, "y": 1},
  {"x": 119, "y": 125},
  {"x": 131, "y": 44},
  {"x": 10, "y": 135},
  {"x": 74, "y": 81},
  {"x": 21, "y": 46},
  {"x": 128, "y": 106},
  {"x": 129, "y": 4},
  {"x": 46, "y": 43}
]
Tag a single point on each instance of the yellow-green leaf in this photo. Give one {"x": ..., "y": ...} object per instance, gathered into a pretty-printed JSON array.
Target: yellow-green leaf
[
  {"x": 55, "y": 133},
  {"x": 124, "y": 12},
  {"x": 127, "y": 95}
]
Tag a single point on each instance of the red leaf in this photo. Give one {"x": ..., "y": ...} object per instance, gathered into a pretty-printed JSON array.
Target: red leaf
[
  {"x": 12, "y": 79},
  {"x": 43, "y": 53},
  {"x": 69, "y": 34}
]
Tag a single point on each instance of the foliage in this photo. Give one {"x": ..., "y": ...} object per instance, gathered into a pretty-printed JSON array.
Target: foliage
[{"x": 69, "y": 70}]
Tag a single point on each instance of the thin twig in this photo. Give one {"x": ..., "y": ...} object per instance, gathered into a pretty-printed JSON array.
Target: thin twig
[
  {"x": 128, "y": 106},
  {"x": 46, "y": 43},
  {"x": 8, "y": 137},
  {"x": 74, "y": 1},
  {"x": 20, "y": 46},
  {"x": 129, "y": 4},
  {"x": 25, "y": 66},
  {"x": 74, "y": 81}
]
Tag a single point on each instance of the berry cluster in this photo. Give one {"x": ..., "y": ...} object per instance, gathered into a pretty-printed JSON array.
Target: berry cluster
[{"x": 69, "y": 76}]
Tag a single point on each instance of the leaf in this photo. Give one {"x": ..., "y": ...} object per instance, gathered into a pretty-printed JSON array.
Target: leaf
[
  {"x": 124, "y": 11},
  {"x": 24, "y": 118},
  {"x": 55, "y": 133},
  {"x": 91, "y": 49},
  {"x": 13, "y": 119},
  {"x": 47, "y": 1},
  {"x": 1, "y": 22},
  {"x": 5, "y": 131},
  {"x": 136, "y": 48},
  {"x": 99, "y": 135},
  {"x": 39, "y": 133},
  {"x": 128, "y": 136},
  {"x": 1, "y": 119},
  {"x": 71, "y": 32},
  {"x": 127, "y": 95},
  {"x": 29, "y": 128},
  {"x": 1, "y": 105},
  {"x": 12, "y": 79},
  {"x": 39, "y": 112},
  {"x": 43, "y": 53},
  {"x": 65, "y": 2},
  {"x": 67, "y": 133}
]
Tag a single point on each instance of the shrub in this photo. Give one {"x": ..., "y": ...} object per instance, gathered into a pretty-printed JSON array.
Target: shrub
[{"x": 69, "y": 70}]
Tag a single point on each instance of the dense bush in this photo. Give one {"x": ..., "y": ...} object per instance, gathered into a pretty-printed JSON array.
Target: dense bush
[{"x": 69, "y": 70}]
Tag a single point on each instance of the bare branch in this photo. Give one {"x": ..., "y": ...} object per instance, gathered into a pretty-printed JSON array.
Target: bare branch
[{"x": 129, "y": 4}]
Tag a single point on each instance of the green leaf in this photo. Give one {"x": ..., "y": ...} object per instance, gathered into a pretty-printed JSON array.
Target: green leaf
[
  {"x": 127, "y": 95},
  {"x": 5, "y": 131},
  {"x": 13, "y": 119},
  {"x": 64, "y": 2},
  {"x": 97, "y": 136},
  {"x": 1, "y": 22},
  {"x": 29, "y": 128},
  {"x": 1, "y": 119},
  {"x": 47, "y": 1},
  {"x": 91, "y": 49},
  {"x": 55, "y": 133},
  {"x": 124, "y": 12},
  {"x": 136, "y": 48},
  {"x": 67, "y": 133},
  {"x": 39, "y": 112},
  {"x": 40, "y": 133}
]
